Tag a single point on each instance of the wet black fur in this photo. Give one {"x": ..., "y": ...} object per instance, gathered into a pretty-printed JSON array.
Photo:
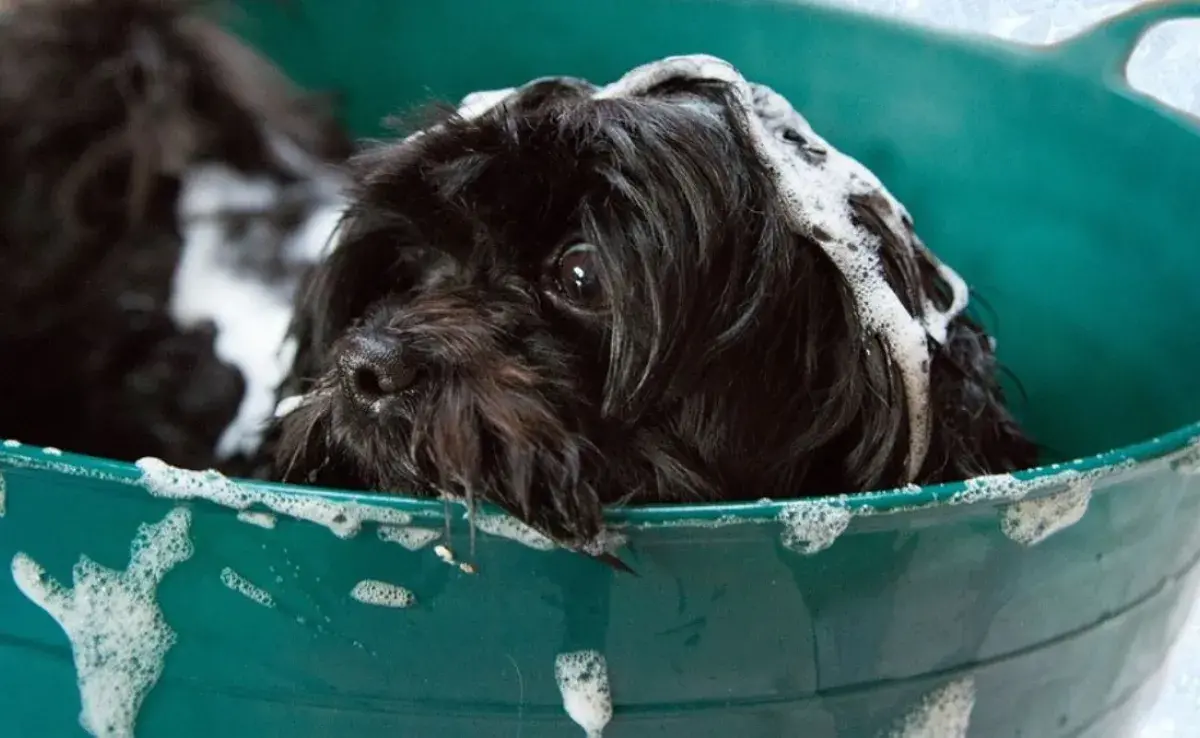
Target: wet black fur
[
  {"x": 732, "y": 365},
  {"x": 103, "y": 103}
]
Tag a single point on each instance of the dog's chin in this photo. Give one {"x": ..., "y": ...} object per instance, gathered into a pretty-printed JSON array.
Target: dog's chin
[{"x": 468, "y": 441}]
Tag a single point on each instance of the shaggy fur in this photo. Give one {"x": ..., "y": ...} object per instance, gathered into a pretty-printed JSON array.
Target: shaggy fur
[
  {"x": 716, "y": 356},
  {"x": 103, "y": 105}
]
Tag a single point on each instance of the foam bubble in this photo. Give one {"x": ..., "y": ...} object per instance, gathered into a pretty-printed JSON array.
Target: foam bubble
[
  {"x": 261, "y": 519},
  {"x": 245, "y": 587},
  {"x": 506, "y": 526},
  {"x": 582, "y": 678},
  {"x": 52, "y": 451},
  {"x": 1032, "y": 521},
  {"x": 414, "y": 539},
  {"x": 343, "y": 519},
  {"x": 3, "y": 495},
  {"x": 10, "y": 443},
  {"x": 117, "y": 632},
  {"x": 383, "y": 594},
  {"x": 944, "y": 713},
  {"x": 810, "y": 526}
]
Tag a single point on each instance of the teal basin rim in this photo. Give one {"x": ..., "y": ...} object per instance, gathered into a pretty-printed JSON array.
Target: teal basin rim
[{"x": 1184, "y": 441}]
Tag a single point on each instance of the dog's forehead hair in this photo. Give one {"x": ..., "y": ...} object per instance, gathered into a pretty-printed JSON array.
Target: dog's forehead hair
[{"x": 533, "y": 161}]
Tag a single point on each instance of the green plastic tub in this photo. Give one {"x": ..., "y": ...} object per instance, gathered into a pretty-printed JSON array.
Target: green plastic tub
[{"x": 1039, "y": 606}]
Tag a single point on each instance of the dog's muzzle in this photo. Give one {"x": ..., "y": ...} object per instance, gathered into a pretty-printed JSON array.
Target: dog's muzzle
[{"x": 374, "y": 369}]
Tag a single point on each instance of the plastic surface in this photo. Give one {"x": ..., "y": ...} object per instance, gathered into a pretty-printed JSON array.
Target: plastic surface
[{"x": 1067, "y": 200}]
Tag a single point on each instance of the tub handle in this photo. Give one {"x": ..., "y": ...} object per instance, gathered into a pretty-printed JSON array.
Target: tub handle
[{"x": 1107, "y": 46}]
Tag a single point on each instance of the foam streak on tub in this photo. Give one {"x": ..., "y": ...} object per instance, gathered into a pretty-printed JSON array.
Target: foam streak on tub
[
  {"x": 944, "y": 713},
  {"x": 582, "y": 678},
  {"x": 246, "y": 588},
  {"x": 118, "y": 635},
  {"x": 810, "y": 526},
  {"x": 343, "y": 519},
  {"x": 382, "y": 594},
  {"x": 413, "y": 539}
]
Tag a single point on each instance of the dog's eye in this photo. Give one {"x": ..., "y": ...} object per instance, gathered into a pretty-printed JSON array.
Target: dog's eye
[{"x": 577, "y": 275}]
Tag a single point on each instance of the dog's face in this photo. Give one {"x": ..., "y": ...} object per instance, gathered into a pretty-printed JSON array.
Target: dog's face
[{"x": 569, "y": 302}]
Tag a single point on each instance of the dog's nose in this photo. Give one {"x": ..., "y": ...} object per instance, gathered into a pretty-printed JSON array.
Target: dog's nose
[{"x": 373, "y": 368}]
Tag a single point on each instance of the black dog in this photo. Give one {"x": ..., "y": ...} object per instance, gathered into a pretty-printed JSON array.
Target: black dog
[
  {"x": 666, "y": 290},
  {"x": 127, "y": 127}
]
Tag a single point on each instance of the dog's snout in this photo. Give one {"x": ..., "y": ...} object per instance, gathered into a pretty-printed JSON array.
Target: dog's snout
[{"x": 373, "y": 368}]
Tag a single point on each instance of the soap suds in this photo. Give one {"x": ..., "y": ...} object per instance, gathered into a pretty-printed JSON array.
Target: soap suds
[
  {"x": 810, "y": 526},
  {"x": 582, "y": 678},
  {"x": 414, "y": 539},
  {"x": 118, "y": 635},
  {"x": 245, "y": 587},
  {"x": 506, "y": 526},
  {"x": 944, "y": 713},
  {"x": 343, "y": 519},
  {"x": 1032, "y": 521},
  {"x": 382, "y": 594},
  {"x": 51, "y": 451},
  {"x": 261, "y": 519},
  {"x": 210, "y": 284},
  {"x": 1007, "y": 488}
]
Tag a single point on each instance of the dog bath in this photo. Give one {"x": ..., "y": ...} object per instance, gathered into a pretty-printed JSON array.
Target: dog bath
[{"x": 1041, "y": 603}]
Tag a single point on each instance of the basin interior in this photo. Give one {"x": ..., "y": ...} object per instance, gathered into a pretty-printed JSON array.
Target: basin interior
[{"x": 1070, "y": 211}]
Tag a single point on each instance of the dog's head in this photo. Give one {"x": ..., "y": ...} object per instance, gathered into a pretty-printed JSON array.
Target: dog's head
[{"x": 572, "y": 299}]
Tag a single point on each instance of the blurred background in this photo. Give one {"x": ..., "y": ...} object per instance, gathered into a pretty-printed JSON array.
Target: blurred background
[{"x": 1166, "y": 65}]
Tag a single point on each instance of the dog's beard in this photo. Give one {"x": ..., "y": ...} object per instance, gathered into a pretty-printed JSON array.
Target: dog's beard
[
  {"x": 482, "y": 423},
  {"x": 727, "y": 360}
]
